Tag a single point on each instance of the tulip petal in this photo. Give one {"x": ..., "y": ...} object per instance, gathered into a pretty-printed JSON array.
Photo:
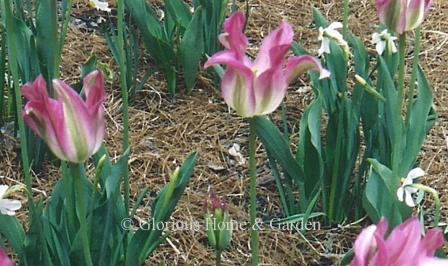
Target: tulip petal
[
  {"x": 95, "y": 96},
  {"x": 270, "y": 89},
  {"x": 4, "y": 260},
  {"x": 78, "y": 121},
  {"x": 363, "y": 246},
  {"x": 237, "y": 91},
  {"x": 237, "y": 83},
  {"x": 47, "y": 121},
  {"x": 433, "y": 262},
  {"x": 432, "y": 241},
  {"x": 415, "y": 13},
  {"x": 234, "y": 38},
  {"x": 404, "y": 241},
  {"x": 230, "y": 59},
  {"x": 36, "y": 91},
  {"x": 45, "y": 117},
  {"x": 282, "y": 36},
  {"x": 300, "y": 64},
  {"x": 391, "y": 13}
]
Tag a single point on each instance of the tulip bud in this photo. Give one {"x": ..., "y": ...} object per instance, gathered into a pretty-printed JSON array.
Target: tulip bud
[
  {"x": 402, "y": 15},
  {"x": 218, "y": 224},
  {"x": 72, "y": 127}
]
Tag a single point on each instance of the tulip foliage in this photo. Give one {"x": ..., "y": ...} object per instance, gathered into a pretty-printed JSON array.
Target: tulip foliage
[
  {"x": 178, "y": 41},
  {"x": 55, "y": 233}
]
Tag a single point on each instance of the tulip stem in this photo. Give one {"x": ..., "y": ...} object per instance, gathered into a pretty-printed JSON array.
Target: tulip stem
[
  {"x": 218, "y": 257},
  {"x": 414, "y": 73},
  {"x": 253, "y": 193},
  {"x": 80, "y": 195},
  {"x": 401, "y": 67},
  {"x": 124, "y": 96}
]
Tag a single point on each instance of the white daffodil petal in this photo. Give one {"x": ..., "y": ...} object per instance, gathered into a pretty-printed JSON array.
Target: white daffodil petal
[
  {"x": 100, "y": 5},
  {"x": 3, "y": 189},
  {"x": 335, "y": 25},
  {"x": 415, "y": 173},
  {"x": 420, "y": 195},
  {"x": 321, "y": 34},
  {"x": 393, "y": 47},
  {"x": 380, "y": 47},
  {"x": 409, "y": 199},
  {"x": 12, "y": 205},
  {"x": 8, "y": 207},
  {"x": 325, "y": 47},
  {"x": 410, "y": 189},
  {"x": 376, "y": 38},
  {"x": 400, "y": 193}
]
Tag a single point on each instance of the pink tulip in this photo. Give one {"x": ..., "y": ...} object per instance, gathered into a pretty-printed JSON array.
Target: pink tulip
[
  {"x": 73, "y": 128},
  {"x": 4, "y": 260},
  {"x": 404, "y": 246},
  {"x": 402, "y": 15},
  {"x": 258, "y": 87}
]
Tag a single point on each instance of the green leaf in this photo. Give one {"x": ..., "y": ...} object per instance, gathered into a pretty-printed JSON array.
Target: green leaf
[
  {"x": 319, "y": 19},
  {"x": 278, "y": 147},
  {"x": 144, "y": 242},
  {"x": 393, "y": 120},
  {"x": 47, "y": 41},
  {"x": 179, "y": 12},
  {"x": 309, "y": 152},
  {"x": 11, "y": 229},
  {"x": 192, "y": 48},
  {"x": 418, "y": 129},
  {"x": 380, "y": 198}
]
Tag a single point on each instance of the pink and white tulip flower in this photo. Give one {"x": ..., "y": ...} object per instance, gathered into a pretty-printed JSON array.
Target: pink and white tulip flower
[
  {"x": 72, "y": 127},
  {"x": 404, "y": 246},
  {"x": 402, "y": 15},
  {"x": 5, "y": 260},
  {"x": 254, "y": 88}
]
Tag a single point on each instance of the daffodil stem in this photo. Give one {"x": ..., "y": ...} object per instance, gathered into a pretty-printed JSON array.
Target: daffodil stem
[
  {"x": 124, "y": 96},
  {"x": 414, "y": 73},
  {"x": 401, "y": 67},
  {"x": 436, "y": 197},
  {"x": 253, "y": 193},
  {"x": 80, "y": 194},
  {"x": 345, "y": 19}
]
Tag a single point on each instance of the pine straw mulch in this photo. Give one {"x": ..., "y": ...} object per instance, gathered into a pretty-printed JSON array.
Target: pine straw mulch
[{"x": 163, "y": 133}]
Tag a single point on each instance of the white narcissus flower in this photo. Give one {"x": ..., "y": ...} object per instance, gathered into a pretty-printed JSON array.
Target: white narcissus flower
[
  {"x": 331, "y": 33},
  {"x": 405, "y": 191},
  {"x": 100, "y": 5},
  {"x": 383, "y": 41},
  {"x": 7, "y": 206}
]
